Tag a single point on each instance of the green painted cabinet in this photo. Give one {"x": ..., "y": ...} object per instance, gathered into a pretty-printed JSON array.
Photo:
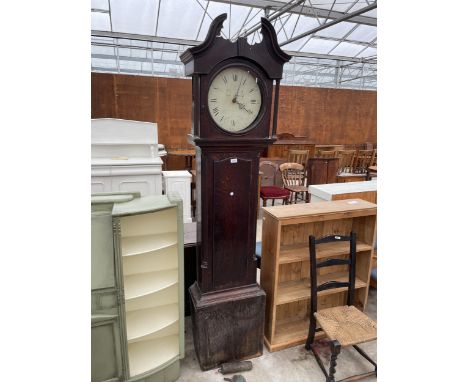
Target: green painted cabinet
[{"x": 137, "y": 324}]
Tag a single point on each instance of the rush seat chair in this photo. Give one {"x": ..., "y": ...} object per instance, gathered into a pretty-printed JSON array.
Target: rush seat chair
[{"x": 343, "y": 325}]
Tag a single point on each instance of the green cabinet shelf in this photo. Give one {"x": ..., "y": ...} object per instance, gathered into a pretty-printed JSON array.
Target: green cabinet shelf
[{"x": 137, "y": 312}]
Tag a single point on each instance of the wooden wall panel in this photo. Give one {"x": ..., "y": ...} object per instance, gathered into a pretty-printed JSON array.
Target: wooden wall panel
[
  {"x": 327, "y": 116},
  {"x": 167, "y": 101}
]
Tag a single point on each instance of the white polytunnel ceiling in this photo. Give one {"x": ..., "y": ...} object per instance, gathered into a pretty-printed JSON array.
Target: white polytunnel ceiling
[{"x": 333, "y": 42}]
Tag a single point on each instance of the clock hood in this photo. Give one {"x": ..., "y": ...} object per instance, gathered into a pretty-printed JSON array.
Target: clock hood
[{"x": 267, "y": 53}]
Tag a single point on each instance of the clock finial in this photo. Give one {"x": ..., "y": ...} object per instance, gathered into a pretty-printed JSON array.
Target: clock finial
[
  {"x": 268, "y": 32},
  {"x": 213, "y": 32}
]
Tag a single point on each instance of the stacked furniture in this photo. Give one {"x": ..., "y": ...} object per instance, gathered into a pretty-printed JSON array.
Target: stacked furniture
[
  {"x": 126, "y": 156},
  {"x": 137, "y": 313},
  {"x": 286, "y": 264}
]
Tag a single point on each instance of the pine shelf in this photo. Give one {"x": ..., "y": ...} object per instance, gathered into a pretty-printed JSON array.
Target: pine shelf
[
  {"x": 291, "y": 291},
  {"x": 300, "y": 252},
  {"x": 291, "y": 333},
  {"x": 285, "y": 262}
]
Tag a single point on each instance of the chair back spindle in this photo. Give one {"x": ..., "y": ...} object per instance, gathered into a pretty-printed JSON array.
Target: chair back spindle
[
  {"x": 298, "y": 156},
  {"x": 346, "y": 163},
  {"x": 314, "y": 265}
]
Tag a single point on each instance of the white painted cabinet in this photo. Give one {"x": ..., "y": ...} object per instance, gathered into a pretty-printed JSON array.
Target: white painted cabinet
[
  {"x": 179, "y": 182},
  {"x": 348, "y": 190},
  {"x": 125, "y": 157}
]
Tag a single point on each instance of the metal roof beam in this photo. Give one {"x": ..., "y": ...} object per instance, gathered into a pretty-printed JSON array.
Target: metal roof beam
[
  {"x": 140, "y": 72},
  {"x": 140, "y": 37},
  {"x": 177, "y": 41},
  {"x": 330, "y": 57},
  {"x": 136, "y": 59},
  {"x": 346, "y": 16},
  {"x": 306, "y": 10},
  {"x": 284, "y": 8},
  {"x": 97, "y": 10}
]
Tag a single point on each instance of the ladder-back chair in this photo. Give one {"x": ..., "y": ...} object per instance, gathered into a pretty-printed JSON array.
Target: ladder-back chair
[
  {"x": 293, "y": 180},
  {"x": 343, "y": 325}
]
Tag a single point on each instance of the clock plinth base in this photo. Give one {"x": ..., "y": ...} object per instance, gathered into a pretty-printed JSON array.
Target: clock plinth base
[{"x": 227, "y": 325}]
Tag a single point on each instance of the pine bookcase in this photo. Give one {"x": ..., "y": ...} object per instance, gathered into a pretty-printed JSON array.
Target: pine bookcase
[{"x": 285, "y": 273}]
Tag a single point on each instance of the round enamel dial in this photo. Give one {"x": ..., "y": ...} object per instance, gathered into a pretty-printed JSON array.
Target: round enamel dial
[{"x": 234, "y": 99}]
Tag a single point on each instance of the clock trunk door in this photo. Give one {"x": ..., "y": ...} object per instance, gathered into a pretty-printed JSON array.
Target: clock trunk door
[{"x": 233, "y": 221}]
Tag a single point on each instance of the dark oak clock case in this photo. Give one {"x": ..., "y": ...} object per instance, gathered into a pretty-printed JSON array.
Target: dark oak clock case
[{"x": 227, "y": 305}]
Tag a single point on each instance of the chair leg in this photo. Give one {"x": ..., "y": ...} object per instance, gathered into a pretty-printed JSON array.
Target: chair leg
[
  {"x": 273, "y": 202},
  {"x": 311, "y": 335},
  {"x": 264, "y": 202},
  {"x": 335, "y": 350}
]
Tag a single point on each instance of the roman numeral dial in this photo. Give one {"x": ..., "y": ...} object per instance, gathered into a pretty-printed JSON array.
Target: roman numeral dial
[{"x": 234, "y": 99}]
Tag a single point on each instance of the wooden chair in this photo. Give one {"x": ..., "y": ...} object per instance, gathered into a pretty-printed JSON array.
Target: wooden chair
[
  {"x": 346, "y": 164},
  {"x": 374, "y": 158},
  {"x": 343, "y": 325},
  {"x": 293, "y": 180},
  {"x": 298, "y": 156},
  {"x": 363, "y": 161},
  {"x": 268, "y": 188}
]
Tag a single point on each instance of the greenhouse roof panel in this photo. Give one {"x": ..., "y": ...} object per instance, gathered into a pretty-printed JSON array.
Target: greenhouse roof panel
[{"x": 146, "y": 37}]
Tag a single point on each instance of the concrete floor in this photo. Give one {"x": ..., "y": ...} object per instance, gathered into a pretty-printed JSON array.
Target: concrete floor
[{"x": 289, "y": 365}]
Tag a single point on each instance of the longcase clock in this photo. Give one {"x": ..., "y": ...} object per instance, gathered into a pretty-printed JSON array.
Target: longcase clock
[{"x": 234, "y": 119}]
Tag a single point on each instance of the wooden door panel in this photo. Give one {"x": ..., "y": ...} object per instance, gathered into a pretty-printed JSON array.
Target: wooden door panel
[{"x": 232, "y": 193}]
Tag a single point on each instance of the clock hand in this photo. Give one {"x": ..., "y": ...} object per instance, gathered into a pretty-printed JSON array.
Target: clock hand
[
  {"x": 237, "y": 92},
  {"x": 242, "y": 106}
]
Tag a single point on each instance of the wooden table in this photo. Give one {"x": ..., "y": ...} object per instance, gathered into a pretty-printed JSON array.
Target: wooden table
[{"x": 188, "y": 154}]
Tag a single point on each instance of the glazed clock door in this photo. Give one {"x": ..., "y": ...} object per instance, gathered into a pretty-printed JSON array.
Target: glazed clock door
[{"x": 233, "y": 220}]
